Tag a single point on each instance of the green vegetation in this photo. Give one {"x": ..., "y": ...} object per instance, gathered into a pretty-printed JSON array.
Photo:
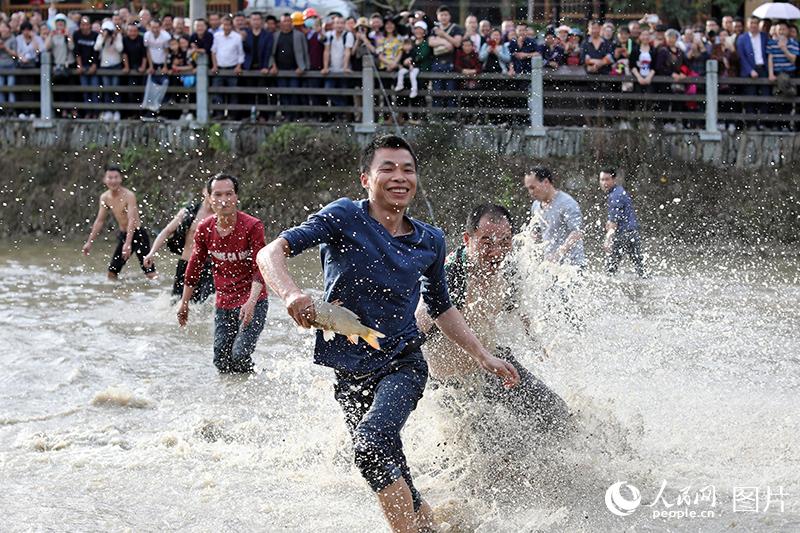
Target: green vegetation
[{"x": 298, "y": 169}]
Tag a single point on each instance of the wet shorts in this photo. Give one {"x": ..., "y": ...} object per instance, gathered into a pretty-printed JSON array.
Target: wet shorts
[
  {"x": 376, "y": 407},
  {"x": 140, "y": 246}
]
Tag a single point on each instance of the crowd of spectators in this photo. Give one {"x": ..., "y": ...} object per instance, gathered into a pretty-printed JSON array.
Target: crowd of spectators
[{"x": 124, "y": 48}]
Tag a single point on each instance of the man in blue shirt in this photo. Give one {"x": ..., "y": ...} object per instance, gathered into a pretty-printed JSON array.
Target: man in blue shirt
[
  {"x": 622, "y": 229},
  {"x": 377, "y": 262}
]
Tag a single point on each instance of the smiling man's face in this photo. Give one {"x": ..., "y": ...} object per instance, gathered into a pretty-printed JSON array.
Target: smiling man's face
[{"x": 392, "y": 178}]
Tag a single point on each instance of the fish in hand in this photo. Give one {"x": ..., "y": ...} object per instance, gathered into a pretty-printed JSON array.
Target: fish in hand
[{"x": 332, "y": 318}]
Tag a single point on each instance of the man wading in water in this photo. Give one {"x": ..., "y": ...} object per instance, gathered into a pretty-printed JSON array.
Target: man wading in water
[
  {"x": 481, "y": 289},
  {"x": 231, "y": 238},
  {"x": 178, "y": 235},
  {"x": 132, "y": 237},
  {"x": 373, "y": 257}
]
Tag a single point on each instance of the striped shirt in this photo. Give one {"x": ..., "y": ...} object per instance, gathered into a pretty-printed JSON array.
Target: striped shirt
[{"x": 781, "y": 63}]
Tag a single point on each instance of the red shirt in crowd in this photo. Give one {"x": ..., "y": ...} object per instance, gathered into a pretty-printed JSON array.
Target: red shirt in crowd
[{"x": 233, "y": 257}]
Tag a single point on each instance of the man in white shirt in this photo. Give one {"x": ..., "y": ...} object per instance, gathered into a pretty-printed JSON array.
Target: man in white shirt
[
  {"x": 336, "y": 59},
  {"x": 156, "y": 41},
  {"x": 226, "y": 53}
]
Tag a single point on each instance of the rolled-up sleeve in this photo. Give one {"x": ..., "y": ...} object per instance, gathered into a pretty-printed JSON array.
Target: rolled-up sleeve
[
  {"x": 321, "y": 227},
  {"x": 434, "y": 282}
]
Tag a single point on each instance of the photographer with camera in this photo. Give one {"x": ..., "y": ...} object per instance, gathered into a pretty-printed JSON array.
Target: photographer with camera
[{"x": 109, "y": 44}]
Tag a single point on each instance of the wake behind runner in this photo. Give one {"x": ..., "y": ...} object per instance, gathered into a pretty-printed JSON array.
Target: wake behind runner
[{"x": 376, "y": 262}]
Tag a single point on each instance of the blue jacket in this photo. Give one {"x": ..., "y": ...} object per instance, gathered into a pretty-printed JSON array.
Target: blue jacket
[
  {"x": 377, "y": 276},
  {"x": 747, "y": 58},
  {"x": 264, "y": 44}
]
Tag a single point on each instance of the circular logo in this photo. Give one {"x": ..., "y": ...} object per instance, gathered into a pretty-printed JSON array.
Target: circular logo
[{"x": 619, "y": 504}]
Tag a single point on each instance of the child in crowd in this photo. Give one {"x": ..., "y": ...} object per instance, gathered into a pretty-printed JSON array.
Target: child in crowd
[{"x": 407, "y": 67}]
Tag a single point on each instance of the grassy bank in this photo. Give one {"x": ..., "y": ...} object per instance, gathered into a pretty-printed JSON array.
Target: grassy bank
[{"x": 299, "y": 169}]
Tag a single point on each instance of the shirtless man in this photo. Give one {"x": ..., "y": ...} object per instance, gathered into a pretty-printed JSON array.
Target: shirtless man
[
  {"x": 132, "y": 237},
  {"x": 480, "y": 286},
  {"x": 178, "y": 235}
]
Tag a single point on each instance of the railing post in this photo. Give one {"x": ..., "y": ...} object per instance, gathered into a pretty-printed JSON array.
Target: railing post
[
  {"x": 367, "y": 96},
  {"x": 45, "y": 92},
  {"x": 711, "y": 133},
  {"x": 536, "y": 99},
  {"x": 201, "y": 90}
]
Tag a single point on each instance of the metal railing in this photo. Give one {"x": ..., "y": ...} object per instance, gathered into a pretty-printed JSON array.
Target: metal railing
[{"x": 540, "y": 99}]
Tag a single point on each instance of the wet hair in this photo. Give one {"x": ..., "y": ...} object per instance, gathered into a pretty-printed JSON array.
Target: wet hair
[
  {"x": 541, "y": 174},
  {"x": 610, "y": 171},
  {"x": 113, "y": 168},
  {"x": 493, "y": 211},
  {"x": 220, "y": 177},
  {"x": 394, "y": 142}
]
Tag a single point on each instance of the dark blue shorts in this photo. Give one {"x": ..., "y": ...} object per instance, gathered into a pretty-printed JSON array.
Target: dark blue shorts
[{"x": 376, "y": 407}]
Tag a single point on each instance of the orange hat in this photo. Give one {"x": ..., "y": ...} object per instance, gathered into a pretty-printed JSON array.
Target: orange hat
[
  {"x": 310, "y": 13},
  {"x": 297, "y": 19}
]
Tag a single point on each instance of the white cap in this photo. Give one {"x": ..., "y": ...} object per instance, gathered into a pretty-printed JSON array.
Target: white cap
[
  {"x": 421, "y": 24},
  {"x": 108, "y": 25}
]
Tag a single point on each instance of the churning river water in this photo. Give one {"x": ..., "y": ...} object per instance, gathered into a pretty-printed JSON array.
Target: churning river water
[{"x": 685, "y": 389}]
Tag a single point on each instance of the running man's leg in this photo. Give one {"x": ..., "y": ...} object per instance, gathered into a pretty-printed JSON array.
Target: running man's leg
[
  {"x": 141, "y": 247},
  {"x": 376, "y": 409},
  {"x": 117, "y": 261},
  {"x": 226, "y": 326},
  {"x": 634, "y": 247},
  {"x": 245, "y": 343},
  {"x": 614, "y": 255},
  {"x": 180, "y": 274}
]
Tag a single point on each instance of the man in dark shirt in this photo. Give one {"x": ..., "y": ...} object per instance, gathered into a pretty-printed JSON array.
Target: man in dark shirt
[
  {"x": 377, "y": 262},
  {"x": 201, "y": 40},
  {"x": 553, "y": 50},
  {"x": 596, "y": 53},
  {"x": 522, "y": 49},
  {"x": 257, "y": 42},
  {"x": 134, "y": 58},
  {"x": 86, "y": 61},
  {"x": 289, "y": 53},
  {"x": 622, "y": 228}
]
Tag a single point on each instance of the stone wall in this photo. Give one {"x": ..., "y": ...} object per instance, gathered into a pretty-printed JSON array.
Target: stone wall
[{"x": 741, "y": 150}]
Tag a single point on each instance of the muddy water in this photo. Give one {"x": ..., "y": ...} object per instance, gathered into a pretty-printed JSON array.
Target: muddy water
[{"x": 113, "y": 418}]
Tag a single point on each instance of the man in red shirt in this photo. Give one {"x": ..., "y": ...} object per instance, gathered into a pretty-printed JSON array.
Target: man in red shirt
[{"x": 231, "y": 238}]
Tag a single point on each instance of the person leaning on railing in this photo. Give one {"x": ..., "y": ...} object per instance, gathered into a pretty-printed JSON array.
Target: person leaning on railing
[
  {"x": 61, "y": 47},
  {"x": 782, "y": 51},
  {"x": 336, "y": 59},
  {"x": 444, "y": 40},
  {"x": 29, "y": 46},
  {"x": 227, "y": 53},
  {"x": 257, "y": 43},
  {"x": 134, "y": 59},
  {"x": 8, "y": 61},
  {"x": 289, "y": 53},
  {"x": 109, "y": 44},
  {"x": 552, "y": 50},
  {"x": 751, "y": 48}
]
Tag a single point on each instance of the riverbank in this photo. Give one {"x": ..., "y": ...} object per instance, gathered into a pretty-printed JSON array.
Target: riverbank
[{"x": 53, "y": 190}]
